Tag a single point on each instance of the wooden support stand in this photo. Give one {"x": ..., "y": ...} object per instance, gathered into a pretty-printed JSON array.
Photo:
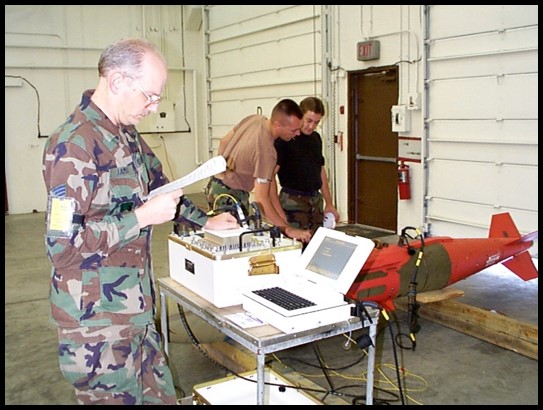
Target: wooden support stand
[
  {"x": 489, "y": 326},
  {"x": 232, "y": 357}
]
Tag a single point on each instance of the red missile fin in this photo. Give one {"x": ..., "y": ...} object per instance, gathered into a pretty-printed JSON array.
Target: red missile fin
[
  {"x": 522, "y": 265},
  {"x": 502, "y": 226}
]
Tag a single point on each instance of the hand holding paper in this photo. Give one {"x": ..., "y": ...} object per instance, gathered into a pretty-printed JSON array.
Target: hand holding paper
[{"x": 209, "y": 168}]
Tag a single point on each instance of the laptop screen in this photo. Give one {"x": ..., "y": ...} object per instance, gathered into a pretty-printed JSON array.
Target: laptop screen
[{"x": 331, "y": 257}]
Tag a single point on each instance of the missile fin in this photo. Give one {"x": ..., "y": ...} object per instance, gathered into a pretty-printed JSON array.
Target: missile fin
[
  {"x": 530, "y": 237},
  {"x": 522, "y": 265},
  {"x": 502, "y": 226}
]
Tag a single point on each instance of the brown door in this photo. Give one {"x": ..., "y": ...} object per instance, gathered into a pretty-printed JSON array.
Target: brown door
[{"x": 373, "y": 148}]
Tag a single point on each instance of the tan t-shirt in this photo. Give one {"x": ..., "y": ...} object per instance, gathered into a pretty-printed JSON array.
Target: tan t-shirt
[{"x": 250, "y": 153}]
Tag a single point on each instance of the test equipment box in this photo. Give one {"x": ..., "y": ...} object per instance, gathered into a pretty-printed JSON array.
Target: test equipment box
[
  {"x": 217, "y": 265},
  {"x": 242, "y": 391}
]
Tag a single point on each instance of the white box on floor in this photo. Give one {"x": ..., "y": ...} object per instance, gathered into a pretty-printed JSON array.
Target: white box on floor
[
  {"x": 238, "y": 391},
  {"x": 211, "y": 264}
]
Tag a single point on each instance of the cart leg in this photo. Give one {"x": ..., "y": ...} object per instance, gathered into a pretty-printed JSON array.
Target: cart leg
[
  {"x": 371, "y": 362},
  {"x": 260, "y": 377}
]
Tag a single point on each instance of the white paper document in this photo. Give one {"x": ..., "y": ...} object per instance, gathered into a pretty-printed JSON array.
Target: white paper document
[
  {"x": 209, "y": 168},
  {"x": 245, "y": 320}
]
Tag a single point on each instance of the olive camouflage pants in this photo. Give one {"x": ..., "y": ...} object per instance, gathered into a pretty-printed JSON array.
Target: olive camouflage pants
[
  {"x": 303, "y": 211},
  {"x": 116, "y": 365}
]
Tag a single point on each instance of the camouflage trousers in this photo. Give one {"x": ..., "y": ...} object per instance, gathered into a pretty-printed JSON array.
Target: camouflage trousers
[
  {"x": 219, "y": 195},
  {"x": 303, "y": 211},
  {"x": 116, "y": 365}
]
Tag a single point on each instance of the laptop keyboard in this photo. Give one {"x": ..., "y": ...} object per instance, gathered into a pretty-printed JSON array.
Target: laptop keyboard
[{"x": 281, "y": 297}]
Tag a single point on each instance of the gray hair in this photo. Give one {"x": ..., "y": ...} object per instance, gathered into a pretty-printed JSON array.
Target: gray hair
[{"x": 127, "y": 55}]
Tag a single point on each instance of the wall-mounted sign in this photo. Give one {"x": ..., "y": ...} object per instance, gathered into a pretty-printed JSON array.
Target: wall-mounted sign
[
  {"x": 367, "y": 50},
  {"x": 409, "y": 149}
]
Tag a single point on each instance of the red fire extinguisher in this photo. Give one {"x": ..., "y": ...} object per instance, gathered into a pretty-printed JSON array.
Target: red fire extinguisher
[{"x": 404, "y": 182}]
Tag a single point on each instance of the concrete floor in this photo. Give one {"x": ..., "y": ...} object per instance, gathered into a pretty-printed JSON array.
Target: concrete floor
[{"x": 447, "y": 367}]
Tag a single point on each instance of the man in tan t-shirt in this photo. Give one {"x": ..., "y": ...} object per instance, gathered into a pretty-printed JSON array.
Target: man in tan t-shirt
[{"x": 251, "y": 157}]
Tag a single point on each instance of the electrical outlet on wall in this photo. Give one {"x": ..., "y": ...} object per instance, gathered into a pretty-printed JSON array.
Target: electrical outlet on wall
[
  {"x": 401, "y": 118},
  {"x": 161, "y": 121},
  {"x": 413, "y": 101},
  {"x": 164, "y": 121}
]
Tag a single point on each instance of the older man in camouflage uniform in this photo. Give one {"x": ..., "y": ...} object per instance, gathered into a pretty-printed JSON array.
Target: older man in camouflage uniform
[{"x": 98, "y": 172}]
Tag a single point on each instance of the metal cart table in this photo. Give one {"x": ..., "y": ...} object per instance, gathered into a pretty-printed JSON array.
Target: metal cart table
[{"x": 260, "y": 340}]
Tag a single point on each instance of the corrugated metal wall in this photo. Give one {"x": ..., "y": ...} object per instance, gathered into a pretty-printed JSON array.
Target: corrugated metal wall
[
  {"x": 253, "y": 60},
  {"x": 480, "y": 98},
  {"x": 481, "y": 117}
]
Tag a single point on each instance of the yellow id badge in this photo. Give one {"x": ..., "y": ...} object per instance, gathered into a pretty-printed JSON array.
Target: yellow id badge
[{"x": 60, "y": 214}]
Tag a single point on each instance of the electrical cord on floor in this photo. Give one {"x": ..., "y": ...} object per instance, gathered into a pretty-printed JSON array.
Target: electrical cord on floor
[
  {"x": 193, "y": 338},
  {"x": 319, "y": 366},
  {"x": 361, "y": 399},
  {"x": 361, "y": 311},
  {"x": 386, "y": 395},
  {"x": 363, "y": 342},
  {"x": 355, "y": 398},
  {"x": 394, "y": 352},
  {"x": 323, "y": 366},
  {"x": 197, "y": 344}
]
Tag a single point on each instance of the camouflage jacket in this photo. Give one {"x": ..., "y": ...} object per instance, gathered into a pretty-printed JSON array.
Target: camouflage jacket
[{"x": 101, "y": 267}]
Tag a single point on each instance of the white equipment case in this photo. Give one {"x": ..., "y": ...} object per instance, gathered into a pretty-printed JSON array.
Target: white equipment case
[{"x": 216, "y": 265}]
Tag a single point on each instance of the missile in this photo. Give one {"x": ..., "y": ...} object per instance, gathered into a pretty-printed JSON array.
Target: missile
[{"x": 418, "y": 264}]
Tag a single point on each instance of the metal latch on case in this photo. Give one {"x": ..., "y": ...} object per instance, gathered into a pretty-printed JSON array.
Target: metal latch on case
[{"x": 263, "y": 264}]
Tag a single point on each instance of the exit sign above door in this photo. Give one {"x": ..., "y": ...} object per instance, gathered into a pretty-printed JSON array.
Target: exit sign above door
[{"x": 367, "y": 50}]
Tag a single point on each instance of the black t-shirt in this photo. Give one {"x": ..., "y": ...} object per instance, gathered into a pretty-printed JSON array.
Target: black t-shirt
[{"x": 300, "y": 161}]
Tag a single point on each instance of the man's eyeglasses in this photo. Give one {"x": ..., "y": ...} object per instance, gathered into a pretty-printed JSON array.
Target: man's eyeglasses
[{"x": 151, "y": 99}]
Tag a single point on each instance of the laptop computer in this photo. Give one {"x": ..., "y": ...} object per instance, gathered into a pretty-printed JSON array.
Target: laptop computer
[{"x": 324, "y": 273}]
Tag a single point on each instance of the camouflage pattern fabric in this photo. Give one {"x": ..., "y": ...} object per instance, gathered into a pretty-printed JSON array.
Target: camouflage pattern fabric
[
  {"x": 101, "y": 274},
  {"x": 196, "y": 217},
  {"x": 217, "y": 189},
  {"x": 303, "y": 212},
  {"x": 117, "y": 365}
]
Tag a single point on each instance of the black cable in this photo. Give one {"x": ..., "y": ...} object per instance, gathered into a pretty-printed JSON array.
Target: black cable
[
  {"x": 394, "y": 352},
  {"x": 412, "y": 305},
  {"x": 37, "y": 99},
  {"x": 324, "y": 368},
  {"x": 220, "y": 365},
  {"x": 347, "y": 366},
  {"x": 380, "y": 401}
]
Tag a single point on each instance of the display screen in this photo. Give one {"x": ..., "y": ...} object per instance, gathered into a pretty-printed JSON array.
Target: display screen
[{"x": 331, "y": 257}]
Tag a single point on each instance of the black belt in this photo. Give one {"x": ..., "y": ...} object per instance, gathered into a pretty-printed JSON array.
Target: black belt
[{"x": 291, "y": 191}]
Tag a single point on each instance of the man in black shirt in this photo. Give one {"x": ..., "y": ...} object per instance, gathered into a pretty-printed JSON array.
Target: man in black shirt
[{"x": 305, "y": 194}]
